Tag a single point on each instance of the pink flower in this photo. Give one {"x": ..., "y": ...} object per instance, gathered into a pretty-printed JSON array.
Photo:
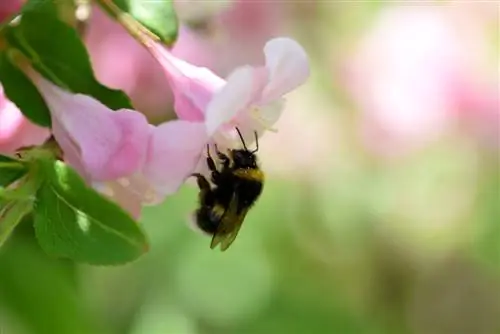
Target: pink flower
[
  {"x": 242, "y": 28},
  {"x": 251, "y": 98},
  {"x": 120, "y": 62},
  {"x": 17, "y": 131},
  {"x": 239, "y": 27},
  {"x": 9, "y": 8},
  {"x": 411, "y": 74},
  {"x": 118, "y": 152}
]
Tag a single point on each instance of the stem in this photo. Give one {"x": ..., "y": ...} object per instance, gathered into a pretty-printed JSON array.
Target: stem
[
  {"x": 82, "y": 14},
  {"x": 24, "y": 188},
  {"x": 11, "y": 165},
  {"x": 11, "y": 215},
  {"x": 140, "y": 33}
]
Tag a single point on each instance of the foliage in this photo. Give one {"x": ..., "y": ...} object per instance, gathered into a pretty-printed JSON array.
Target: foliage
[
  {"x": 70, "y": 219},
  {"x": 371, "y": 246}
]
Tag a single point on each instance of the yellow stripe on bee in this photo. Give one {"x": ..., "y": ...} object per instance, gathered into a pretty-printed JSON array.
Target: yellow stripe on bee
[
  {"x": 250, "y": 174},
  {"x": 218, "y": 210}
]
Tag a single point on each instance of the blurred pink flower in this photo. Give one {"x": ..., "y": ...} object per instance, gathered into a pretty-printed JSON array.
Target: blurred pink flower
[
  {"x": 239, "y": 27},
  {"x": 17, "y": 131},
  {"x": 121, "y": 62},
  {"x": 242, "y": 28},
  {"x": 118, "y": 152},
  {"x": 251, "y": 98},
  {"x": 415, "y": 72},
  {"x": 9, "y": 8}
]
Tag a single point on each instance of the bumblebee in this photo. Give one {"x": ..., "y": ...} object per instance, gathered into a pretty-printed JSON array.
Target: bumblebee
[{"x": 233, "y": 189}]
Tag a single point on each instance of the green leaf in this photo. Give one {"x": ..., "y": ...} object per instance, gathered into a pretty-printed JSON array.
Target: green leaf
[
  {"x": 72, "y": 220},
  {"x": 57, "y": 52},
  {"x": 20, "y": 90},
  {"x": 11, "y": 214},
  {"x": 158, "y": 16},
  {"x": 10, "y": 170},
  {"x": 38, "y": 291},
  {"x": 48, "y": 7}
]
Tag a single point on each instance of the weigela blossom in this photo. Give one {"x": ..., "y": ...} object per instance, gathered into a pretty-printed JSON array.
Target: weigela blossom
[
  {"x": 17, "y": 131},
  {"x": 229, "y": 34},
  {"x": 118, "y": 152},
  {"x": 251, "y": 98},
  {"x": 120, "y": 62},
  {"x": 413, "y": 76}
]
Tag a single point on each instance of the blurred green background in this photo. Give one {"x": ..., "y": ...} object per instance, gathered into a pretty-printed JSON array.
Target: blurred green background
[{"x": 345, "y": 238}]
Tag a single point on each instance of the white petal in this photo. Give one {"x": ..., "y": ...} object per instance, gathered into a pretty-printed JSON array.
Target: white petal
[
  {"x": 229, "y": 100},
  {"x": 259, "y": 119},
  {"x": 271, "y": 112},
  {"x": 288, "y": 65}
]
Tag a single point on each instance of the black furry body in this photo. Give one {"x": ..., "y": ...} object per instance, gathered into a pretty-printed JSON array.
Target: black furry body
[{"x": 235, "y": 187}]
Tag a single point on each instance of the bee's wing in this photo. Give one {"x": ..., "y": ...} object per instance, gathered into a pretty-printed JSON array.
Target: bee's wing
[{"x": 229, "y": 226}]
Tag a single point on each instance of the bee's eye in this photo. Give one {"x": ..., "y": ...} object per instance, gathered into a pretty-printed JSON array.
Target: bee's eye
[
  {"x": 244, "y": 159},
  {"x": 238, "y": 156}
]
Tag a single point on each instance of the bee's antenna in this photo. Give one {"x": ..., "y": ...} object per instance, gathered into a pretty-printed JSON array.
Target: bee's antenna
[
  {"x": 242, "y": 140},
  {"x": 256, "y": 141}
]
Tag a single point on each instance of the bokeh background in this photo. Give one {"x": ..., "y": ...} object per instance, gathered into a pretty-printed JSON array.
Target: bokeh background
[{"x": 381, "y": 209}]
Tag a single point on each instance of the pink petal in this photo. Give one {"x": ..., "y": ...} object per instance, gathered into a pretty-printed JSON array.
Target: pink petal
[
  {"x": 191, "y": 100},
  {"x": 193, "y": 86},
  {"x": 72, "y": 152},
  {"x": 120, "y": 62},
  {"x": 129, "y": 151},
  {"x": 232, "y": 98},
  {"x": 11, "y": 120},
  {"x": 9, "y": 8},
  {"x": 127, "y": 200},
  {"x": 111, "y": 144},
  {"x": 16, "y": 130},
  {"x": 288, "y": 65},
  {"x": 175, "y": 148}
]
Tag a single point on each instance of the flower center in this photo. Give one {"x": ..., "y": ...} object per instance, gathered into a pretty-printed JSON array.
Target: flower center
[
  {"x": 257, "y": 116},
  {"x": 140, "y": 187},
  {"x": 105, "y": 189},
  {"x": 135, "y": 186}
]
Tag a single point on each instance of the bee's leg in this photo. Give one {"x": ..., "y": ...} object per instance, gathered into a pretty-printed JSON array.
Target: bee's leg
[
  {"x": 222, "y": 157},
  {"x": 213, "y": 168},
  {"x": 203, "y": 183},
  {"x": 206, "y": 195},
  {"x": 210, "y": 161}
]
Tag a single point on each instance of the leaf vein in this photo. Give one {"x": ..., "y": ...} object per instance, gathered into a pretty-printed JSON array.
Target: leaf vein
[{"x": 95, "y": 220}]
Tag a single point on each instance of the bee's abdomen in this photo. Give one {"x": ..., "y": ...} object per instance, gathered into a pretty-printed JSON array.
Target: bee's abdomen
[
  {"x": 208, "y": 218},
  {"x": 204, "y": 222}
]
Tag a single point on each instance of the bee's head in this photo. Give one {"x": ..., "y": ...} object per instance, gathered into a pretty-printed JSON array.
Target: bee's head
[{"x": 244, "y": 158}]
